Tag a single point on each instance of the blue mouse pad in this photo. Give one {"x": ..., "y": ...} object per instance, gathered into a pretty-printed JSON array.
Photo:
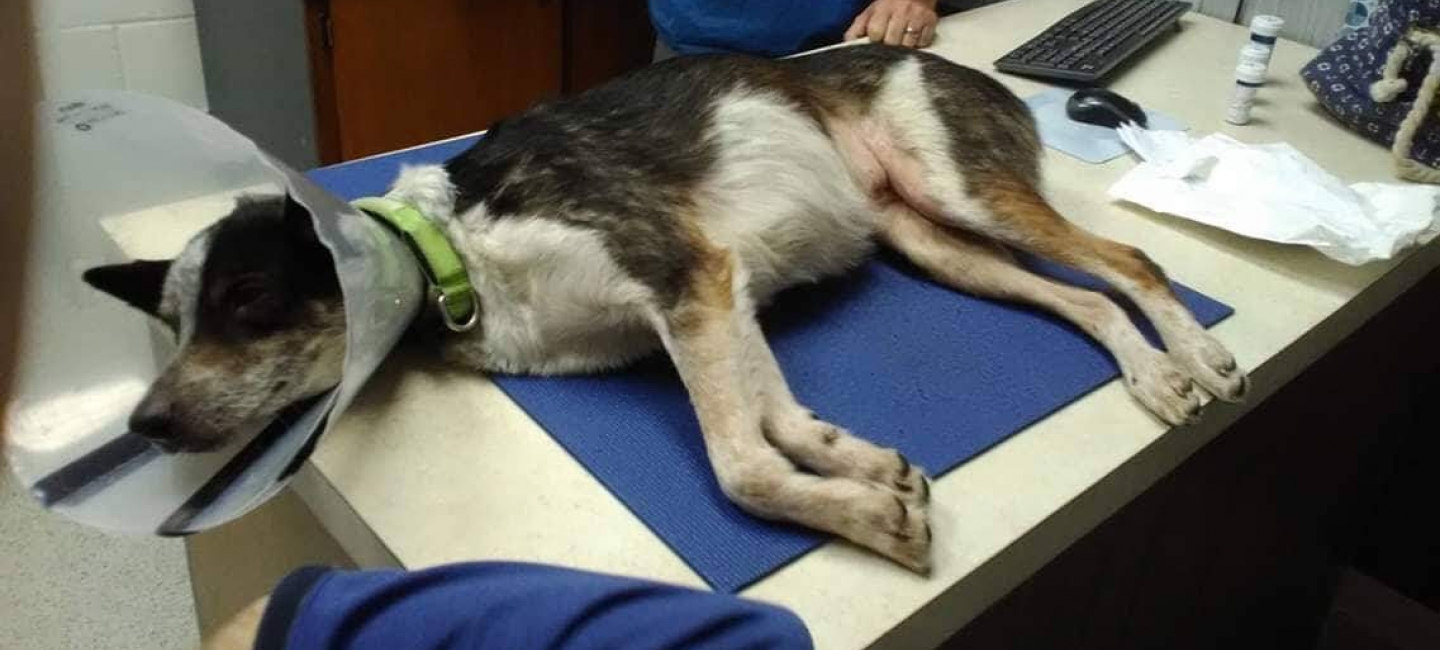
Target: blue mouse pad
[
  {"x": 1087, "y": 142},
  {"x": 882, "y": 351}
]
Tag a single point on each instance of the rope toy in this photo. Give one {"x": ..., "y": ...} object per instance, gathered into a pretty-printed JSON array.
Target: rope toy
[{"x": 1391, "y": 85}]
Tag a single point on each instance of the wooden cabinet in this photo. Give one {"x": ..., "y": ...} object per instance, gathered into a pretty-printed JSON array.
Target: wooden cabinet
[
  {"x": 404, "y": 72},
  {"x": 384, "y": 74}
]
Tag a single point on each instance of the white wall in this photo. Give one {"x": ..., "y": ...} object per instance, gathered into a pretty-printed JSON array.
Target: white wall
[
  {"x": 1309, "y": 21},
  {"x": 1222, "y": 9},
  {"x": 1315, "y": 22},
  {"x": 147, "y": 46}
]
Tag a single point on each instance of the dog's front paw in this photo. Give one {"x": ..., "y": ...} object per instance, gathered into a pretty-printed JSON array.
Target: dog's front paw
[
  {"x": 830, "y": 450},
  {"x": 906, "y": 480},
  {"x": 902, "y": 533},
  {"x": 1213, "y": 367},
  {"x": 1163, "y": 388}
]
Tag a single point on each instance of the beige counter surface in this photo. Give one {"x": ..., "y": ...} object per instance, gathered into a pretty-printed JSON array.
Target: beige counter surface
[{"x": 434, "y": 466}]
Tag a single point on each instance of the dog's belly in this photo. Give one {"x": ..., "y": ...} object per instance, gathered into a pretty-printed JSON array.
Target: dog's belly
[{"x": 787, "y": 198}]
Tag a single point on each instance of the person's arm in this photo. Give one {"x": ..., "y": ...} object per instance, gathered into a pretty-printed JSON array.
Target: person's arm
[
  {"x": 483, "y": 605},
  {"x": 910, "y": 23}
]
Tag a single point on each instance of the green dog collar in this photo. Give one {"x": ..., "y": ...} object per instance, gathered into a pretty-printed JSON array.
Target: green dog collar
[{"x": 449, "y": 283}]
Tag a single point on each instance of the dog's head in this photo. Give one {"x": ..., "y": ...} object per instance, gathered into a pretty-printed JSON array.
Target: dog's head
[{"x": 256, "y": 306}]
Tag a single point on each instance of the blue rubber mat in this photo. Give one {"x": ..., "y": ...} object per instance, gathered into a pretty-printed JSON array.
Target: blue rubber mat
[{"x": 884, "y": 352}]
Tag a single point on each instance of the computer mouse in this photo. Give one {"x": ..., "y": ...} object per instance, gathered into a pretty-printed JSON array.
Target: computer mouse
[{"x": 1103, "y": 108}]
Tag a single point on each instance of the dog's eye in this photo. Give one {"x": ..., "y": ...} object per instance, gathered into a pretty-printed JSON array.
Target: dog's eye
[
  {"x": 244, "y": 292},
  {"x": 251, "y": 300}
]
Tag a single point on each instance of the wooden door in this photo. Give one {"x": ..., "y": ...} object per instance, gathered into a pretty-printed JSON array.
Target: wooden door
[
  {"x": 605, "y": 39},
  {"x": 406, "y": 72}
]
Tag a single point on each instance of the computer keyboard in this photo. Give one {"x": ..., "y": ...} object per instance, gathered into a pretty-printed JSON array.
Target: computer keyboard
[{"x": 1089, "y": 43}]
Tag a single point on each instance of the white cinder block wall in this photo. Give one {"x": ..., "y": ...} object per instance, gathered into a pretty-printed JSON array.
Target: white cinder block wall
[{"x": 147, "y": 46}]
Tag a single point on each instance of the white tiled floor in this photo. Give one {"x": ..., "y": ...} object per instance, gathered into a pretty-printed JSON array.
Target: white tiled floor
[{"x": 63, "y": 585}]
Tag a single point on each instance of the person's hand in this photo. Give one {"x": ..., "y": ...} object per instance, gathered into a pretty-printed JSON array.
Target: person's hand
[{"x": 910, "y": 23}]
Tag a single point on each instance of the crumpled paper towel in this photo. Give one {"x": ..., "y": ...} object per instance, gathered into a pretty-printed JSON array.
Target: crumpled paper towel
[{"x": 1275, "y": 193}]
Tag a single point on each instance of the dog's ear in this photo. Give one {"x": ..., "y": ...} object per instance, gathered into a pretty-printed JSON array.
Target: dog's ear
[
  {"x": 297, "y": 219},
  {"x": 138, "y": 283},
  {"x": 316, "y": 264}
]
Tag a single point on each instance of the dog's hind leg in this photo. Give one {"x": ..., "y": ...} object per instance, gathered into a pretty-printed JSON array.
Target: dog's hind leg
[
  {"x": 705, "y": 334},
  {"x": 1013, "y": 212},
  {"x": 969, "y": 263},
  {"x": 962, "y": 151}
]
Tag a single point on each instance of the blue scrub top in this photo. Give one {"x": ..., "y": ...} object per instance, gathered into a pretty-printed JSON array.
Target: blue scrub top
[
  {"x": 512, "y": 606},
  {"x": 760, "y": 27}
]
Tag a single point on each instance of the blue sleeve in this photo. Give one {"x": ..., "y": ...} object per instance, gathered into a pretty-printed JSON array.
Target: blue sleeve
[
  {"x": 511, "y": 606},
  {"x": 759, "y": 27}
]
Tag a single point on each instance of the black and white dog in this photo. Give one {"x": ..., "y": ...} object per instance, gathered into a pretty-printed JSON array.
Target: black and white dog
[{"x": 658, "y": 212}]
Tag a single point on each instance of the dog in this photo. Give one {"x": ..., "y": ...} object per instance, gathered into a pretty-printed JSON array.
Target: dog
[{"x": 660, "y": 211}]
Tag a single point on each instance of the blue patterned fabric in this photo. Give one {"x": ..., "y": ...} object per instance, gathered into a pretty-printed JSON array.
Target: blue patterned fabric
[{"x": 1342, "y": 74}]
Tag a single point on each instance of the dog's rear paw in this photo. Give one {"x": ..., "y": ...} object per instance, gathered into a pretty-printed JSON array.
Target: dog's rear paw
[
  {"x": 1213, "y": 367},
  {"x": 903, "y": 535},
  {"x": 1164, "y": 389}
]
